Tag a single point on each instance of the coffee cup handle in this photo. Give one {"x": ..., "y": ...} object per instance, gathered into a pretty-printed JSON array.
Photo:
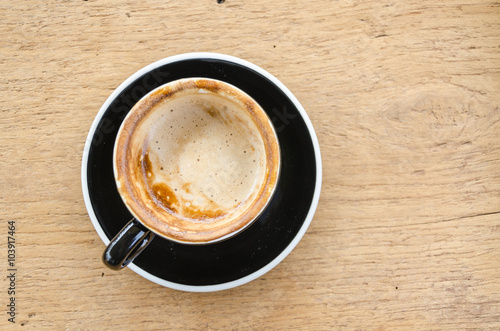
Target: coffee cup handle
[{"x": 126, "y": 245}]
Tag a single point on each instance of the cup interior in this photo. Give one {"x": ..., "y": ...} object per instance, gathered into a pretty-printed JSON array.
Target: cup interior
[{"x": 196, "y": 160}]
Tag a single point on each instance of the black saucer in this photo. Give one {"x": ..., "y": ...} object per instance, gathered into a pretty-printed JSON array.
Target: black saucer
[{"x": 257, "y": 249}]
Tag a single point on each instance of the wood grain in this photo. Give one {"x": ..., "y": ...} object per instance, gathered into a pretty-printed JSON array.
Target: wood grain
[{"x": 404, "y": 97}]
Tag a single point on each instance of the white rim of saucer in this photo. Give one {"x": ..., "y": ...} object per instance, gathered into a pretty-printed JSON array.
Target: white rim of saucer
[{"x": 310, "y": 214}]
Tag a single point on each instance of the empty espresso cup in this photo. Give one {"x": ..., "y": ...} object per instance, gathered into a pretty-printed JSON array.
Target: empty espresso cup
[{"x": 196, "y": 161}]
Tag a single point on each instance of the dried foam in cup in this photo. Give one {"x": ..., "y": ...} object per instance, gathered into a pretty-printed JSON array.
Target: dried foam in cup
[{"x": 196, "y": 160}]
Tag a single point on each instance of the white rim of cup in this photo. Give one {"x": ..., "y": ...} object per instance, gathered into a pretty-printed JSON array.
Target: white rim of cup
[{"x": 312, "y": 208}]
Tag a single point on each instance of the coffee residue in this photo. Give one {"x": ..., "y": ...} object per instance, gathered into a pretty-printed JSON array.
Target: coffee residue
[
  {"x": 199, "y": 214},
  {"x": 187, "y": 187},
  {"x": 145, "y": 165},
  {"x": 164, "y": 195},
  {"x": 212, "y": 111}
]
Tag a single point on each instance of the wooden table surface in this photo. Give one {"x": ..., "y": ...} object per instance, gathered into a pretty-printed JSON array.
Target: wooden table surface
[{"x": 404, "y": 97}]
